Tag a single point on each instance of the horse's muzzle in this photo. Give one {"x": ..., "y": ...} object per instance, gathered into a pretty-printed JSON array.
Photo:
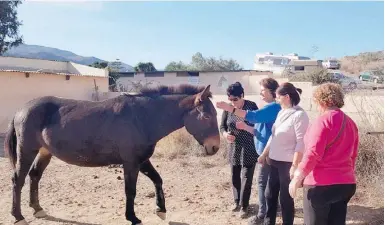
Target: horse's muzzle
[{"x": 211, "y": 145}]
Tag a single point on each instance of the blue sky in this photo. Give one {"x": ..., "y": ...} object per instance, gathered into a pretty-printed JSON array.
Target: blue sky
[{"x": 161, "y": 32}]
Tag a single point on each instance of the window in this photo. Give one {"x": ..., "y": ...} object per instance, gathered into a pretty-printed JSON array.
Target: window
[
  {"x": 277, "y": 61},
  {"x": 154, "y": 74},
  {"x": 122, "y": 74},
  {"x": 187, "y": 74},
  {"x": 299, "y": 68},
  {"x": 285, "y": 61}
]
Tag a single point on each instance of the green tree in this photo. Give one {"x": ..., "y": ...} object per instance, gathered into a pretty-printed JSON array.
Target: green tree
[
  {"x": 177, "y": 66},
  {"x": 113, "y": 71},
  {"x": 9, "y": 26},
  {"x": 201, "y": 63},
  {"x": 100, "y": 65},
  {"x": 145, "y": 67}
]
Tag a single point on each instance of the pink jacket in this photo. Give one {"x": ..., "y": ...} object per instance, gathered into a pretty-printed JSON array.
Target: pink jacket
[{"x": 335, "y": 165}]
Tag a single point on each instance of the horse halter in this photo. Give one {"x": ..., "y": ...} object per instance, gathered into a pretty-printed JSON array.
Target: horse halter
[{"x": 201, "y": 114}]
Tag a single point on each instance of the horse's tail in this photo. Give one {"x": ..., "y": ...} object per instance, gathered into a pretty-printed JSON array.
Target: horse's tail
[{"x": 10, "y": 143}]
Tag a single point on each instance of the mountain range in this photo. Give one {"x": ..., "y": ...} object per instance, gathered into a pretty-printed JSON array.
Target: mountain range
[{"x": 48, "y": 53}]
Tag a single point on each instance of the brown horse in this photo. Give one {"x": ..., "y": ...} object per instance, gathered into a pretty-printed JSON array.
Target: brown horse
[{"x": 122, "y": 130}]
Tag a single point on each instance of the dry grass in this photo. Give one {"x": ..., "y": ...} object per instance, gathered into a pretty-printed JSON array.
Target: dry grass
[
  {"x": 363, "y": 61},
  {"x": 181, "y": 145},
  {"x": 370, "y": 161},
  {"x": 316, "y": 76},
  {"x": 178, "y": 145}
]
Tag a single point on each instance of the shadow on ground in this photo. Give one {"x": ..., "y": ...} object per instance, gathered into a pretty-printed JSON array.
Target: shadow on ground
[
  {"x": 2, "y": 146},
  {"x": 54, "y": 219},
  {"x": 365, "y": 215},
  {"x": 177, "y": 223},
  {"x": 359, "y": 214},
  {"x": 254, "y": 211}
]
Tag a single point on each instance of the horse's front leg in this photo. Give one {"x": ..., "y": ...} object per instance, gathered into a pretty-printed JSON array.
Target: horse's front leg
[
  {"x": 147, "y": 169},
  {"x": 131, "y": 171}
]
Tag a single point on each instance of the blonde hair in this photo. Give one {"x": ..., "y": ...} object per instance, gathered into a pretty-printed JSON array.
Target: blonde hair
[{"x": 329, "y": 95}]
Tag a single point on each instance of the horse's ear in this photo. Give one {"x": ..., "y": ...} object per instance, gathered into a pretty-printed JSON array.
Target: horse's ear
[
  {"x": 205, "y": 93},
  {"x": 202, "y": 95}
]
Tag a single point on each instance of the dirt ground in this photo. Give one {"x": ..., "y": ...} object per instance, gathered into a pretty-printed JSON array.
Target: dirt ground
[{"x": 197, "y": 191}]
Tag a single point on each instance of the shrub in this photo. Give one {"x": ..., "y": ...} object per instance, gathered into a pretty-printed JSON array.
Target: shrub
[
  {"x": 371, "y": 147},
  {"x": 370, "y": 160},
  {"x": 317, "y": 77}
]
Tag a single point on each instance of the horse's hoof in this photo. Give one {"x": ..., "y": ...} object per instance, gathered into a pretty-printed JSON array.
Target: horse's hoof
[
  {"x": 21, "y": 222},
  {"x": 40, "y": 214},
  {"x": 161, "y": 215}
]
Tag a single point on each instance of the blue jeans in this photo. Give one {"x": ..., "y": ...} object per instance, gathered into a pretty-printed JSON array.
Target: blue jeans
[{"x": 262, "y": 177}]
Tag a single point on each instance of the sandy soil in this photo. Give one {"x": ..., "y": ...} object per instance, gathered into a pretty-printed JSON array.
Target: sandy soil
[{"x": 197, "y": 190}]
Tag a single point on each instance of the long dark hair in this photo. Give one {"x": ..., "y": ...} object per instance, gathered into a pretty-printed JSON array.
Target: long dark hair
[{"x": 293, "y": 92}]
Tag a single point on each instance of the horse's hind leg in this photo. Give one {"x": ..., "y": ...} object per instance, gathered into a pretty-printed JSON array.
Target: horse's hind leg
[
  {"x": 41, "y": 162},
  {"x": 147, "y": 169},
  {"x": 23, "y": 164}
]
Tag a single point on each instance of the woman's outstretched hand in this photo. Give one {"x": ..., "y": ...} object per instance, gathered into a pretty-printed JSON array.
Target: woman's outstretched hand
[{"x": 225, "y": 106}]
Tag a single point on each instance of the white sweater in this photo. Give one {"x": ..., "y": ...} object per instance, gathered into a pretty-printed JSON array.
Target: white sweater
[{"x": 287, "y": 134}]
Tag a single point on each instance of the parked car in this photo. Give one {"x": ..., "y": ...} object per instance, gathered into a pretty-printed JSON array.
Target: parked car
[
  {"x": 375, "y": 76},
  {"x": 331, "y": 64},
  {"x": 345, "y": 81}
]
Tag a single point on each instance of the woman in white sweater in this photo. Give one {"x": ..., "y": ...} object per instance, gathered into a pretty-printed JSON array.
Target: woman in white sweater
[{"x": 284, "y": 152}]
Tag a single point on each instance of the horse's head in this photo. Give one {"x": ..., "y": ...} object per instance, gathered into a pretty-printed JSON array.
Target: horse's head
[{"x": 201, "y": 122}]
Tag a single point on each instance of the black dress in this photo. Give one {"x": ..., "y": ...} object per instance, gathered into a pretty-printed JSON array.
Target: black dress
[
  {"x": 242, "y": 151},
  {"x": 242, "y": 156}
]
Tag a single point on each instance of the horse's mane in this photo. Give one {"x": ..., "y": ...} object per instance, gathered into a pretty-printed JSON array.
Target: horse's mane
[{"x": 183, "y": 89}]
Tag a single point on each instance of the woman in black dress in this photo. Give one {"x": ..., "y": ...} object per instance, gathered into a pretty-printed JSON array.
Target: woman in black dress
[{"x": 242, "y": 153}]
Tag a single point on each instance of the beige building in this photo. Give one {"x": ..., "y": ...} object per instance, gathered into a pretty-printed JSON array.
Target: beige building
[
  {"x": 22, "y": 80},
  {"x": 296, "y": 67}
]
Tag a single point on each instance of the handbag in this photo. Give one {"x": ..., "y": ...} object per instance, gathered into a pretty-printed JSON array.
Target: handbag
[{"x": 339, "y": 133}]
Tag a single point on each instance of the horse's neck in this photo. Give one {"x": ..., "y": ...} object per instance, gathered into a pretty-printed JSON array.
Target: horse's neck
[{"x": 167, "y": 117}]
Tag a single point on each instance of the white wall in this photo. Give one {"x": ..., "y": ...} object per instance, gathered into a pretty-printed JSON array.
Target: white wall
[
  {"x": 24, "y": 64},
  {"x": 13, "y": 62},
  {"x": 86, "y": 70}
]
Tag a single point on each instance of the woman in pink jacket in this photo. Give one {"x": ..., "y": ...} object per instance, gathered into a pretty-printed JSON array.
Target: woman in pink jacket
[{"x": 327, "y": 169}]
